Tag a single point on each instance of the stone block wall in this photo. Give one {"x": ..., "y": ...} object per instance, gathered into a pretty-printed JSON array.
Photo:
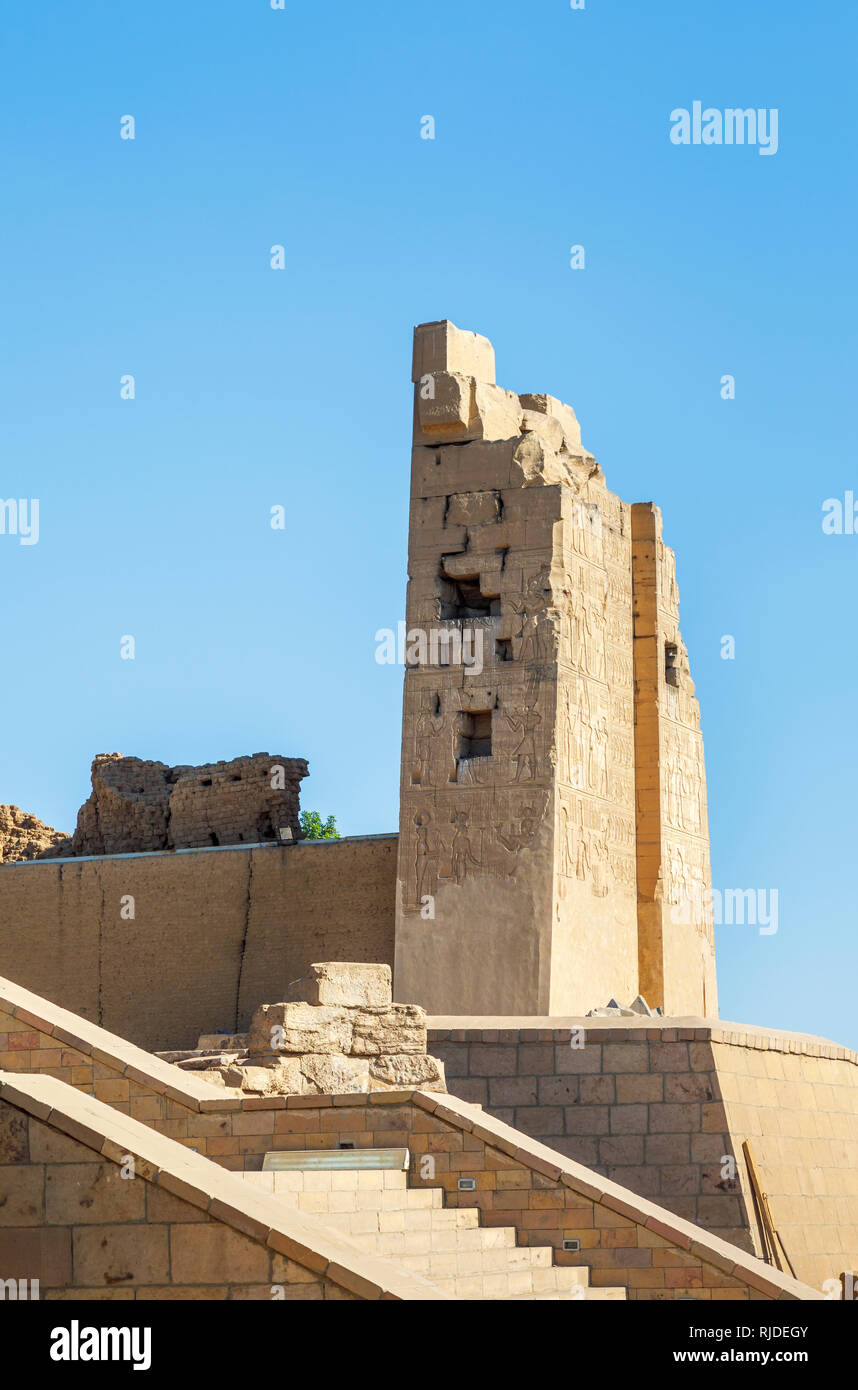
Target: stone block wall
[
  {"x": 518, "y": 1182},
  {"x": 70, "y": 1221},
  {"x": 664, "y": 1110}
]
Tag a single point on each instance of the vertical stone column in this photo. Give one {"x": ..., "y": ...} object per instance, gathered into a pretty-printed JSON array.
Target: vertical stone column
[
  {"x": 516, "y": 882},
  {"x": 676, "y": 947}
]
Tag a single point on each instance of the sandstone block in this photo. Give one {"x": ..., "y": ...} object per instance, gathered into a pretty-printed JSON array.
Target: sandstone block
[
  {"x": 403, "y": 1072},
  {"x": 282, "y": 1078},
  {"x": 299, "y": 1028},
  {"x": 546, "y": 426},
  {"x": 206, "y": 1253},
  {"x": 472, "y": 509},
  {"x": 450, "y": 408},
  {"x": 549, "y": 405},
  {"x": 401, "y": 1028},
  {"x": 498, "y": 412},
  {"x": 536, "y": 462},
  {"x": 443, "y": 407},
  {"x": 327, "y": 1075},
  {"x": 13, "y": 1135},
  {"x": 351, "y": 984},
  {"x": 123, "y": 1254},
  {"x": 442, "y": 347},
  {"x": 84, "y": 1193}
]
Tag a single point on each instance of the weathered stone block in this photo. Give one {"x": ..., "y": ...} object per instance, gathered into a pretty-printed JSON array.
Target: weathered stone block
[
  {"x": 299, "y": 1028},
  {"x": 545, "y": 426},
  {"x": 444, "y": 407},
  {"x": 553, "y": 409},
  {"x": 90, "y": 1193},
  {"x": 401, "y": 1028},
  {"x": 351, "y": 984},
  {"x": 13, "y": 1135},
  {"x": 401, "y": 1072},
  {"x": 123, "y": 1254},
  {"x": 327, "y": 1075},
  {"x": 442, "y": 347}
]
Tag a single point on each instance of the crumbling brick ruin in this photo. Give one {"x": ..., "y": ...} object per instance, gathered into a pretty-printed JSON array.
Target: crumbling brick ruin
[
  {"x": 24, "y": 836},
  {"x": 137, "y": 807}
]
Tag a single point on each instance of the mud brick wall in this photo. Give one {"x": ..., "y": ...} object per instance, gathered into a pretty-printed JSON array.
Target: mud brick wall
[
  {"x": 214, "y": 933},
  {"x": 24, "y": 836},
  {"x": 665, "y": 1110},
  {"x": 138, "y": 807}
]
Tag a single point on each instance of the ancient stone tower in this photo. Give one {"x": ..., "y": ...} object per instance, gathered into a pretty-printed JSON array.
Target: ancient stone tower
[{"x": 553, "y": 847}]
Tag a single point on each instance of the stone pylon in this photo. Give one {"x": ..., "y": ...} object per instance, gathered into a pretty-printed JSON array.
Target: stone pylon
[{"x": 553, "y": 847}]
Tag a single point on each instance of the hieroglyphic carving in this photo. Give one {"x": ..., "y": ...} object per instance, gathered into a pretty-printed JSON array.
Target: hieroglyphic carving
[
  {"x": 586, "y": 850},
  {"x": 524, "y": 754},
  {"x": 530, "y": 605}
]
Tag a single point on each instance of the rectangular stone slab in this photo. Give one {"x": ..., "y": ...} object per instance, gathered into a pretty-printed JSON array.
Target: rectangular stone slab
[{"x": 352, "y": 984}]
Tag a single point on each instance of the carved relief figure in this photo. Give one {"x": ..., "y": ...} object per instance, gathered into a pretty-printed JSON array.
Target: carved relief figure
[
  {"x": 524, "y": 753},
  {"x": 425, "y": 855},
  {"x": 461, "y": 854},
  {"x": 426, "y": 729}
]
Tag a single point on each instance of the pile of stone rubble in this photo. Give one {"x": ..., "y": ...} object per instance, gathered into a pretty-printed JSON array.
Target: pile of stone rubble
[
  {"x": 638, "y": 1008},
  {"x": 340, "y": 1034}
]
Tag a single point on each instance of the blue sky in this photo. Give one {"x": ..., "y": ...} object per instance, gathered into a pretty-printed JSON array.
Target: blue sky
[{"x": 256, "y": 387}]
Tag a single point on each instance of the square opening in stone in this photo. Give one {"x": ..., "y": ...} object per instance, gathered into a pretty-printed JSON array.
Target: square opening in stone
[
  {"x": 671, "y": 666},
  {"x": 463, "y": 598},
  {"x": 475, "y": 735}
]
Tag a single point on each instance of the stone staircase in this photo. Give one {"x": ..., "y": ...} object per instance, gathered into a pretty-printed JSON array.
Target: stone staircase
[{"x": 411, "y": 1226}]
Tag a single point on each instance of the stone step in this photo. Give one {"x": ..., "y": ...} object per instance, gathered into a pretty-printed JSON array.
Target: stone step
[
  {"x": 434, "y": 1219},
  {"x": 434, "y": 1240},
  {"x": 377, "y": 1211},
  {"x": 581, "y": 1294},
  {"x": 312, "y": 1179},
  {"x": 369, "y": 1208},
  {"x": 506, "y": 1259},
  {"x": 554, "y": 1282},
  {"x": 383, "y": 1188}
]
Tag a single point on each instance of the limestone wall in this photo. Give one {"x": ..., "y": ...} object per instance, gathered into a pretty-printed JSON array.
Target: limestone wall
[{"x": 213, "y": 933}]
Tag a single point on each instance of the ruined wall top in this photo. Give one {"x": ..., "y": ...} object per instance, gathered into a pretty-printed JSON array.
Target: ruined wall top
[
  {"x": 457, "y": 401},
  {"x": 24, "y": 836},
  {"x": 138, "y": 806}
]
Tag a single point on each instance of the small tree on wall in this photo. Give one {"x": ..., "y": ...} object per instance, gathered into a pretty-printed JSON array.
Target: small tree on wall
[{"x": 315, "y": 828}]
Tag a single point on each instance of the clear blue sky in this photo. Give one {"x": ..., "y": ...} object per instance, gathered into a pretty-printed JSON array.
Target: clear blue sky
[{"x": 256, "y": 387}]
